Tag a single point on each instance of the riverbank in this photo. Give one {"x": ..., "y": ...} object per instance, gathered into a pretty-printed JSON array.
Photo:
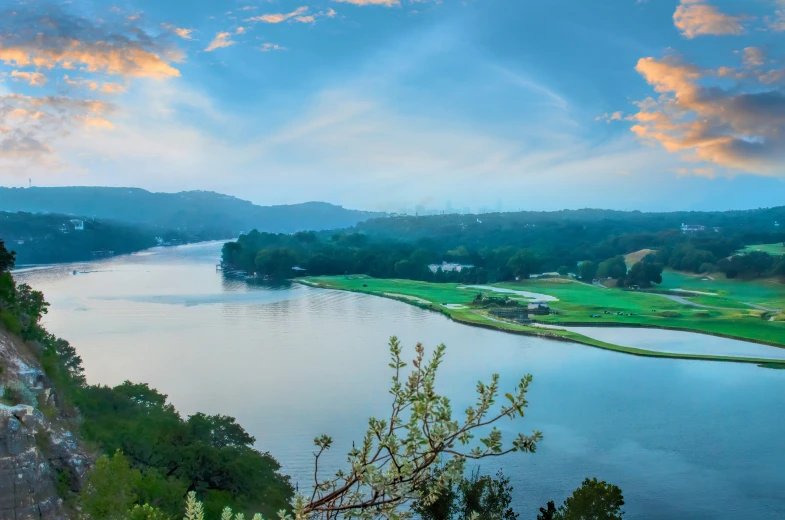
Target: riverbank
[{"x": 575, "y": 303}]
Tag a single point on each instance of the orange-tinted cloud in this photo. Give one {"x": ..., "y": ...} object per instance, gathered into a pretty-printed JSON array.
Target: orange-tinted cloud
[
  {"x": 183, "y": 33},
  {"x": 34, "y": 79},
  {"x": 105, "y": 87},
  {"x": 221, "y": 40},
  {"x": 697, "y": 18},
  {"x": 739, "y": 128},
  {"x": 55, "y": 38}
]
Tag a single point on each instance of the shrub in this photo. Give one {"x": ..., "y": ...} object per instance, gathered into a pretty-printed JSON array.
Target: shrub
[
  {"x": 10, "y": 322},
  {"x": 669, "y": 314}
]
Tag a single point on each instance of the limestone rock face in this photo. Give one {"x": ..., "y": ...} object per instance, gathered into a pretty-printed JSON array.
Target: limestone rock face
[{"x": 36, "y": 451}]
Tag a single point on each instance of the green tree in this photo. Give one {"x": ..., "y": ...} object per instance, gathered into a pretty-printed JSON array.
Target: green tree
[
  {"x": 587, "y": 271},
  {"x": 486, "y": 498},
  {"x": 563, "y": 270},
  {"x": 594, "y": 500},
  {"x": 7, "y": 258},
  {"x": 615, "y": 268},
  {"x": 548, "y": 512},
  {"x": 478, "y": 497},
  {"x": 276, "y": 263},
  {"x": 644, "y": 274},
  {"x": 523, "y": 263},
  {"x": 114, "y": 490},
  {"x": 111, "y": 488}
]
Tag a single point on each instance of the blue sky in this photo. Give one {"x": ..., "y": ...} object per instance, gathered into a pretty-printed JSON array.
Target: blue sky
[{"x": 391, "y": 104}]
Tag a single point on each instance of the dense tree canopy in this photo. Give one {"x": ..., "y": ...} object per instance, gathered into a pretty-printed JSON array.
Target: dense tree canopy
[{"x": 501, "y": 247}]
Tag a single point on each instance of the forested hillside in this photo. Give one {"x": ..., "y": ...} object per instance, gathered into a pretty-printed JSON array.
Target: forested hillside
[
  {"x": 212, "y": 215},
  {"x": 42, "y": 239},
  {"x": 504, "y": 246}
]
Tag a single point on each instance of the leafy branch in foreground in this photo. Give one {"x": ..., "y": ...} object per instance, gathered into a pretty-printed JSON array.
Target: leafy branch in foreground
[{"x": 416, "y": 454}]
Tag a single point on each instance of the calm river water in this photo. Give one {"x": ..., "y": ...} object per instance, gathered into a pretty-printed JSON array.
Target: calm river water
[{"x": 683, "y": 439}]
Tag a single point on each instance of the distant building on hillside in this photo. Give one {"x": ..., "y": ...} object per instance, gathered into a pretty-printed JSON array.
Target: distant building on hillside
[
  {"x": 78, "y": 224},
  {"x": 447, "y": 267},
  {"x": 692, "y": 228}
]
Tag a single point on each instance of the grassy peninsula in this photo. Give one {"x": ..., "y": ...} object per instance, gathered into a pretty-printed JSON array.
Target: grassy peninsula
[{"x": 577, "y": 302}]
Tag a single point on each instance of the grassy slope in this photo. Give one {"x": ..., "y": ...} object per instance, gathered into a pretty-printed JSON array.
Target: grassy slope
[
  {"x": 772, "y": 249},
  {"x": 577, "y": 302},
  {"x": 768, "y": 293}
]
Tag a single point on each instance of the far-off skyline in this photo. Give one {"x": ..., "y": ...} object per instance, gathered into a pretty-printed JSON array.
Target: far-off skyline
[{"x": 393, "y": 104}]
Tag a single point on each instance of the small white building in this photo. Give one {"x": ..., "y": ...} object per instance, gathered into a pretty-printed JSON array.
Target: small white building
[
  {"x": 692, "y": 228},
  {"x": 447, "y": 267},
  {"x": 539, "y": 308},
  {"x": 78, "y": 224}
]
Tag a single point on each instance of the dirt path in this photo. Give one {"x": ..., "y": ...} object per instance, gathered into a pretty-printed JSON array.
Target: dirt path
[
  {"x": 762, "y": 308},
  {"x": 406, "y": 297},
  {"x": 684, "y": 301}
]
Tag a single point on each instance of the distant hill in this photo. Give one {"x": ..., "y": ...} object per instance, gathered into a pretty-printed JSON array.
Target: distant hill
[{"x": 203, "y": 213}]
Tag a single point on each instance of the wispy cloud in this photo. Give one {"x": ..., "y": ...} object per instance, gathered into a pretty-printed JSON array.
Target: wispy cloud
[
  {"x": 280, "y": 17},
  {"x": 753, "y": 56},
  {"x": 183, "y": 33},
  {"x": 29, "y": 125},
  {"x": 615, "y": 116},
  {"x": 385, "y": 3},
  {"x": 34, "y": 79},
  {"x": 267, "y": 47},
  {"x": 697, "y": 18},
  {"x": 776, "y": 23},
  {"x": 106, "y": 87},
  {"x": 221, "y": 40}
]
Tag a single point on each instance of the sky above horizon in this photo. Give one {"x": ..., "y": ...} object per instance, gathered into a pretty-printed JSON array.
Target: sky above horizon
[{"x": 392, "y": 104}]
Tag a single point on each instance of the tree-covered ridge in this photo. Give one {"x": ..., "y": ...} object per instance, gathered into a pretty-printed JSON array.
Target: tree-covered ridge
[
  {"x": 212, "y": 215},
  {"x": 488, "y": 252},
  {"x": 41, "y": 239}
]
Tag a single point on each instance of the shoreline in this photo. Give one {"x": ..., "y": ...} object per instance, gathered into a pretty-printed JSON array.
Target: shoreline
[{"x": 571, "y": 337}]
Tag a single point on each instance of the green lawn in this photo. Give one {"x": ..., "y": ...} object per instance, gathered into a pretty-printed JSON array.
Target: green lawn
[
  {"x": 768, "y": 293},
  {"x": 577, "y": 302},
  {"x": 772, "y": 249}
]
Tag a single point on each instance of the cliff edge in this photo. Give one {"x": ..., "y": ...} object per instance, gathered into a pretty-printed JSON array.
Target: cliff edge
[{"x": 40, "y": 458}]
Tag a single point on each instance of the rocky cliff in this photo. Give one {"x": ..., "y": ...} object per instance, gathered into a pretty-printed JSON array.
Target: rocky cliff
[{"x": 40, "y": 459}]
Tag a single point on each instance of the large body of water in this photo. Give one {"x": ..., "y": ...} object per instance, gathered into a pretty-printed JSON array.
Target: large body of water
[{"x": 683, "y": 439}]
